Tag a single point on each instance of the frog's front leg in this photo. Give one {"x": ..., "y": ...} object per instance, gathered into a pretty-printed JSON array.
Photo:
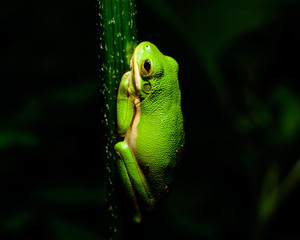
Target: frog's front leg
[{"x": 132, "y": 178}]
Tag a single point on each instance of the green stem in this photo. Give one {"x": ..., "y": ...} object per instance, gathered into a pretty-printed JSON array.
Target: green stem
[{"x": 117, "y": 41}]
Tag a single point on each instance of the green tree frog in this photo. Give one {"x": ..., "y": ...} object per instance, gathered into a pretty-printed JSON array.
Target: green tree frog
[{"x": 149, "y": 118}]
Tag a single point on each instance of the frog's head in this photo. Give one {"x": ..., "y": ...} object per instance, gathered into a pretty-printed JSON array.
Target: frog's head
[{"x": 151, "y": 71}]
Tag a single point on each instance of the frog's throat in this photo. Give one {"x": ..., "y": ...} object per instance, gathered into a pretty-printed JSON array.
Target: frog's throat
[
  {"x": 135, "y": 82},
  {"x": 132, "y": 133},
  {"x": 137, "y": 104}
]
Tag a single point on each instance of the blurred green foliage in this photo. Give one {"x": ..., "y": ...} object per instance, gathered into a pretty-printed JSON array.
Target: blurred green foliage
[
  {"x": 67, "y": 231},
  {"x": 240, "y": 96},
  {"x": 13, "y": 138},
  {"x": 15, "y": 222}
]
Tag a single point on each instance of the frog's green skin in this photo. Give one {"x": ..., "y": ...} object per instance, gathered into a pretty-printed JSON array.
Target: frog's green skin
[{"x": 150, "y": 120}]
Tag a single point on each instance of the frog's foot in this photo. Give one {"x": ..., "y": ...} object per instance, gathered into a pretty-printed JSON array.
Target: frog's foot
[{"x": 127, "y": 167}]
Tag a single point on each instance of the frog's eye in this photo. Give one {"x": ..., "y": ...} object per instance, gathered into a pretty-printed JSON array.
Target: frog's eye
[{"x": 146, "y": 67}]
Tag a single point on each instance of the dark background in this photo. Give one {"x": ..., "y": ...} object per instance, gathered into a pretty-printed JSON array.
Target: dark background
[{"x": 239, "y": 79}]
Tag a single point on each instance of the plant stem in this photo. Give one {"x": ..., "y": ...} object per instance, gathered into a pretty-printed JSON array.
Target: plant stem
[{"x": 117, "y": 41}]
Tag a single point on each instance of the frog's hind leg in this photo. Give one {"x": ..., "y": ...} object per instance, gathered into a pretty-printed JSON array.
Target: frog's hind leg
[{"x": 125, "y": 165}]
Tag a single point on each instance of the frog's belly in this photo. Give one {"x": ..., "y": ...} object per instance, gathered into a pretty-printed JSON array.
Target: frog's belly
[{"x": 156, "y": 149}]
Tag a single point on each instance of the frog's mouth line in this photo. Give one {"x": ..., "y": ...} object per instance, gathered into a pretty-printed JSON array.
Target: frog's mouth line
[{"x": 136, "y": 73}]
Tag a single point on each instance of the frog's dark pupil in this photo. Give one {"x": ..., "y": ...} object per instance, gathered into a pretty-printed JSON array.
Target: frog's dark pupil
[{"x": 147, "y": 65}]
